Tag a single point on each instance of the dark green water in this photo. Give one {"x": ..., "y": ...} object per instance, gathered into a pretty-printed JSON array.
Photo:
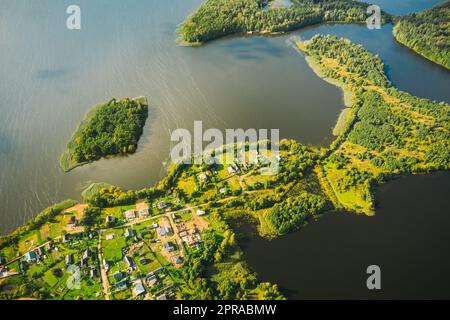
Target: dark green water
[
  {"x": 408, "y": 238},
  {"x": 50, "y": 77}
]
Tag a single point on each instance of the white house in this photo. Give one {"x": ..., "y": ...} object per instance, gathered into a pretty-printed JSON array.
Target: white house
[
  {"x": 130, "y": 214},
  {"x": 162, "y": 204},
  {"x": 144, "y": 213},
  {"x": 231, "y": 170},
  {"x": 138, "y": 288},
  {"x": 110, "y": 236},
  {"x": 200, "y": 212}
]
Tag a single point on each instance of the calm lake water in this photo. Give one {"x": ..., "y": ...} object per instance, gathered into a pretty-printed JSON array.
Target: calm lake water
[{"x": 50, "y": 77}]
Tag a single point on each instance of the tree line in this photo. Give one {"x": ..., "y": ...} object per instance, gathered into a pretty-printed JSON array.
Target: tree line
[
  {"x": 427, "y": 33},
  {"x": 217, "y": 18}
]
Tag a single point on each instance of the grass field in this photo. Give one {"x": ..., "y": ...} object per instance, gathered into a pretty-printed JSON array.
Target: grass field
[{"x": 112, "y": 249}]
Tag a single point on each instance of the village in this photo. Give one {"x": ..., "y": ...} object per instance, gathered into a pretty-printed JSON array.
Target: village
[
  {"x": 132, "y": 251},
  {"x": 125, "y": 261}
]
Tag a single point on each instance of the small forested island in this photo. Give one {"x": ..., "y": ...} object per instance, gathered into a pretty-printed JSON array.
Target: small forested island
[
  {"x": 427, "y": 33},
  {"x": 108, "y": 129},
  {"x": 217, "y": 18},
  {"x": 178, "y": 240}
]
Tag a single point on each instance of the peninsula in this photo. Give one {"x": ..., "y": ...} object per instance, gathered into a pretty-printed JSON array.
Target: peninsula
[{"x": 218, "y": 18}]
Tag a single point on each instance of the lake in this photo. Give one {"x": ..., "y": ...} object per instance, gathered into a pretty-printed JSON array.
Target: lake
[{"x": 51, "y": 76}]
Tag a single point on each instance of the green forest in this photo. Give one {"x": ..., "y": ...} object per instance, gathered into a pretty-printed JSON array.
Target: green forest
[
  {"x": 217, "y": 18},
  {"x": 109, "y": 129},
  {"x": 427, "y": 33},
  {"x": 390, "y": 133}
]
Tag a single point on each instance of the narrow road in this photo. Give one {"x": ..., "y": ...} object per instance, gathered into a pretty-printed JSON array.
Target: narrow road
[{"x": 105, "y": 282}]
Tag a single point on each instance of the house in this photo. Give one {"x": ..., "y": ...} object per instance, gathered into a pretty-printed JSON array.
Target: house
[
  {"x": 110, "y": 236},
  {"x": 203, "y": 177},
  {"x": 130, "y": 215},
  {"x": 231, "y": 170},
  {"x": 106, "y": 265},
  {"x": 122, "y": 285},
  {"x": 143, "y": 261},
  {"x": 162, "y": 204},
  {"x": 48, "y": 246},
  {"x": 178, "y": 260},
  {"x": 69, "y": 259},
  {"x": 30, "y": 256},
  {"x": 183, "y": 234},
  {"x": 118, "y": 276},
  {"x": 162, "y": 297},
  {"x": 153, "y": 281},
  {"x": 138, "y": 288},
  {"x": 93, "y": 273},
  {"x": 40, "y": 251},
  {"x": 169, "y": 246},
  {"x": 129, "y": 233},
  {"x": 72, "y": 222},
  {"x": 130, "y": 262},
  {"x": 86, "y": 255},
  {"x": 192, "y": 240},
  {"x": 144, "y": 213},
  {"x": 155, "y": 272},
  {"x": 109, "y": 219},
  {"x": 66, "y": 238},
  {"x": 163, "y": 231},
  {"x": 153, "y": 226},
  {"x": 222, "y": 190},
  {"x": 3, "y": 273},
  {"x": 201, "y": 212}
]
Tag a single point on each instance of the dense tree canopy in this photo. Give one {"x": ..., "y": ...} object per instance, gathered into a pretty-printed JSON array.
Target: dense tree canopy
[
  {"x": 112, "y": 128},
  {"x": 389, "y": 133},
  {"x": 290, "y": 214},
  {"x": 427, "y": 33},
  {"x": 217, "y": 18}
]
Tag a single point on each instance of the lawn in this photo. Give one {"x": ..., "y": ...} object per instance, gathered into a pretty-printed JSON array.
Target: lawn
[
  {"x": 112, "y": 249},
  {"x": 188, "y": 185},
  {"x": 29, "y": 241},
  {"x": 152, "y": 264},
  {"x": 351, "y": 199},
  {"x": 50, "y": 279},
  {"x": 255, "y": 178}
]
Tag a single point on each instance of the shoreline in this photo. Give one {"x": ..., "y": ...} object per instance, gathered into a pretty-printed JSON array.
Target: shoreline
[
  {"x": 405, "y": 45},
  {"x": 347, "y": 95}
]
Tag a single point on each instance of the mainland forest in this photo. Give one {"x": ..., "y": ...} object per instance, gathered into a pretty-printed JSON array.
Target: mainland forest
[{"x": 427, "y": 33}]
